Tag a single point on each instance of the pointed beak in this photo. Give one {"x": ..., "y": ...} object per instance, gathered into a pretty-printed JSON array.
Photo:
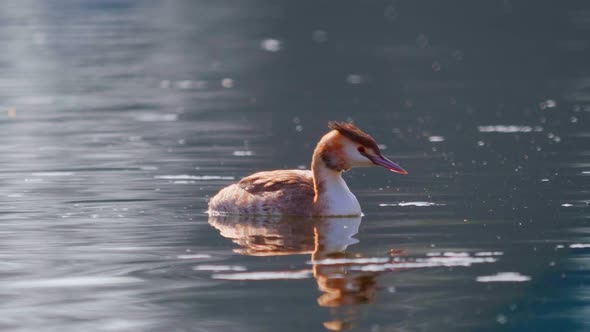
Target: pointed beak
[{"x": 390, "y": 165}]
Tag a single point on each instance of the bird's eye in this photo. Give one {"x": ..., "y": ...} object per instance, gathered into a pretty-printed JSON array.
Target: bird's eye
[{"x": 361, "y": 149}]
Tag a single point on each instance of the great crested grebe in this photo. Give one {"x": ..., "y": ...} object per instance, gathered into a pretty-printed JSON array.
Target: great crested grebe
[{"x": 320, "y": 191}]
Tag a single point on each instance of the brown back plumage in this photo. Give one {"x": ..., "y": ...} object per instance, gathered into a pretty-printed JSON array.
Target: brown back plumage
[
  {"x": 354, "y": 134},
  {"x": 270, "y": 181}
]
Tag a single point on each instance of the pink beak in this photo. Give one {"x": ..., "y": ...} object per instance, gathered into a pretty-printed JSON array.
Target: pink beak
[{"x": 390, "y": 165}]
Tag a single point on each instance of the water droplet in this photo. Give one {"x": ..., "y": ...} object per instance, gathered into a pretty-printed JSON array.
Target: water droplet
[
  {"x": 271, "y": 45},
  {"x": 458, "y": 55},
  {"x": 549, "y": 103},
  {"x": 243, "y": 153},
  {"x": 227, "y": 83},
  {"x": 436, "y": 66},
  {"x": 391, "y": 13},
  {"x": 184, "y": 85},
  {"x": 355, "y": 79},
  {"x": 422, "y": 40},
  {"x": 436, "y": 139},
  {"x": 319, "y": 36}
]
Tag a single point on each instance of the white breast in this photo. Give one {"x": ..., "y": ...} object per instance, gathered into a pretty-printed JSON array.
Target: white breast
[{"x": 340, "y": 201}]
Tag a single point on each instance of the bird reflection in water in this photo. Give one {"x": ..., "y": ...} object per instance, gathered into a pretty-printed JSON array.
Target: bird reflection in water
[{"x": 326, "y": 240}]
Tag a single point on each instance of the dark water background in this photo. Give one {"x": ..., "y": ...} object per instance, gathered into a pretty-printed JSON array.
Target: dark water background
[{"x": 118, "y": 119}]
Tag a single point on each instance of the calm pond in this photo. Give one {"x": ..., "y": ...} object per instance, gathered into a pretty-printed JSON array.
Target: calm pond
[{"x": 119, "y": 119}]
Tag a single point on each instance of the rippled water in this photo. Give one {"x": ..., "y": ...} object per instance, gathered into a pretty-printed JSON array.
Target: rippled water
[{"x": 119, "y": 119}]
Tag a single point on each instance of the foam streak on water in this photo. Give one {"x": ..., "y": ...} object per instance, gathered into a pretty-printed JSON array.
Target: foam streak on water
[
  {"x": 509, "y": 129},
  {"x": 417, "y": 204},
  {"x": 333, "y": 261},
  {"x": 504, "y": 277},
  {"x": 50, "y": 174},
  {"x": 431, "y": 262},
  {"x": 218, "y": 268},
  {"x": 274, "y": 275},
  {"x": 579, "y": 245}
]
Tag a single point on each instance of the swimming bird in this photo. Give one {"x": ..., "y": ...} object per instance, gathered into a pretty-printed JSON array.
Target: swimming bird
[{"x": 320, "y": 191}]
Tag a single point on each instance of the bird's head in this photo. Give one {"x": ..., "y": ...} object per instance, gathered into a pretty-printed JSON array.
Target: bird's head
[{"x": 347, "y": 146}]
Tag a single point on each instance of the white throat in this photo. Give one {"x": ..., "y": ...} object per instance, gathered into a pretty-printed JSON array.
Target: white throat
[{"x": 336, "y": 197}]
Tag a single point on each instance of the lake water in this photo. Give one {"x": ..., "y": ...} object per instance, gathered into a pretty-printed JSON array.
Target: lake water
[{"x": 119, "y": 119}]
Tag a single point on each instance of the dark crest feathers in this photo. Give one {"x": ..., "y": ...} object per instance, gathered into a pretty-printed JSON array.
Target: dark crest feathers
[{"x": 354, "y": 134}]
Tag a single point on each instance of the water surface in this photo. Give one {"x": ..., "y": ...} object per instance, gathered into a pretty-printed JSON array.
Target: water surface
[{"x": 119, "y": 119}]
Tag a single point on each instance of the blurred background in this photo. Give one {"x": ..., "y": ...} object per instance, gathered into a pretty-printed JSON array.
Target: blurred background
[{"x": 119, "y": 119}]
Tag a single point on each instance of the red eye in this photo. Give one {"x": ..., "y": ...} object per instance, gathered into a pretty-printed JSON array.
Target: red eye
[{"x": 361, "y": 149}]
